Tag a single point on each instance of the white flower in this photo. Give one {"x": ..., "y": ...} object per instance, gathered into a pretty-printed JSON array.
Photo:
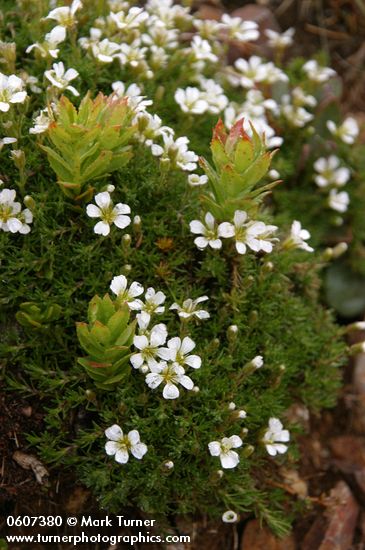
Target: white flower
[
  {"x": 279, "y": 40},
  {"x": 190, "y": 100},
  {"x": 300, "y": 98},
  {"x": 131, "y": 20},
  {"x": 120, "y": 445},
  {"x": 137, "y": 101},
  {"x": 347, "y": 131},
  {"x": 105, "y": 51},
  {"x": 338, "y": 201},
  {"x": 108, "y": 213},
  {"x": 195, "y": 180},
  {"x": 171, "y": 375},
  {"x": 178, "y": 351},
  {"x": 297, "y": 238},
  {"x": 41, "y": 122},
  {"x": 296, "y": 116},
  {"x": 229, "y": 517},
  {"x": 213, "y": 94},
  {"x": 329, "y": 172},
  {"x": 249, "y": 72},
  {"x": 190, "y": 308},
  {"x": 176, "y": 152},
  {"x": 12, "y": 217},
  {"x": 65, "y": 15},
  {"x": 149, "y": 128},
  {"x": 11, "y": 91},
  {"x": 202, "y": 50},
  {"x": 124, "y": 294},
  {"x": 274, "y": 438},
  {"x": 149, "y": 347},
  {"x": 241, "y": 30},
  {"x": 210, "y": 232},
  {"x": 256, "y": 104},
  {"x": 153, "y": 302},
  {"x": 61, "y": 78},
  {"x": 223, "y": 449},
  {"x": 255, "y": 235},
  {"x": 316, "y": 73},
  {"x": 51, "y": 41}
]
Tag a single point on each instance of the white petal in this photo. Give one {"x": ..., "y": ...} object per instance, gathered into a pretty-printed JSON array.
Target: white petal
[
  {"x": 240, "y": 216},
  {"x": 139, "y": 450},
  {"x": 122, "y": 221},
  {"x": 102, "y": 228},
  {"x": 241, "y": 247},
  {"x": 170, "y": 391},
  {"x": 201, "y": 242},
  {"x": 122, "y": 456},
  {"x": 186, "y": 382},
  {"x": 118, "y": 284},
  {"x": 226, "y": 230},
  {"x": 153, "y": 380},
  {"x": 136, "y": 289},
  {"x": 229, "y": 460},
  {"x": 216, "y": 244},
  {"x": 187, "y": 345},
  {"x": 103, "y": 199},
  {"x": 137, "y": 360},
  {"x": 235, "y": 441},
  {"x": 197, "y": 227},
  {"x": 214, "y": 448},
  {"x": 193, "y": 361},
  {"x": 133, "y": 437},
  {"x": 111, "y": 448},
  {"x": 114, "y": 433}
]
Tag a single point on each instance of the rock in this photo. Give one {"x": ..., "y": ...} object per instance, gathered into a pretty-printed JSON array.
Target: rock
[
  {"x": 207, "y": 11},
  {"x": 342, "y": 514},
  {"x": 265, "y": 19},
  {"x": 314, "y": 536},
  {"x": 349, "y": 457},
  {"x": 256, "y": 537},
  {"x": 30, "y": 462}
]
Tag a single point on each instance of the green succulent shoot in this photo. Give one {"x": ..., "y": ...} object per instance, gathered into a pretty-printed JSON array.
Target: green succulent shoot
[
  {"x": 89, "y": 143},
  {"x": 37, "y": 317},
  {"x": 240, "y": 163},
  {"x": 107, "y": 339}
]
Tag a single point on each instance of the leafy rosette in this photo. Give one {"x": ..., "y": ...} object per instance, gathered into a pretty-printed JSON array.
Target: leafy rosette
[
  {"x": 240, "y": 163},
  {"x": 90, "y": 142},
  {"x": 107, "y": 339}
]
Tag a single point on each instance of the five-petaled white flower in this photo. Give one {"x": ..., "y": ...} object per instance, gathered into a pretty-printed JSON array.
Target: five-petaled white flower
[
  {"x": 297, "y": 238},
  {"x": 12, "y": 217},
  {"x": 223, "y": 449},
  {"x": 171, "y": 375},
  {"x": 240, "y": 29},
  {"x": 11, "y": 91},
  {"x": 190, "y": 308},
  {"x": 274, "y": 438},
  {"x": 108, "y": 213},
  {"x": 191, "y": 100},
  {"x": 65, "y": 15},
  {"x": 178, "y": 351},
  {"x": 119, "y": 286},
  {"x": 153, "y": 302},
  {"x": 211, "y": 232},
  {"x": 347, "y": 131},
  {"x": 149, "y": 347},
  {"x": 329, "y": 172},
  {"x": 256, "y": 235},
  {"x": 59, "y": 78},
  {"x": 51, "y": 41},
  {"x": 120, "y": 445}
]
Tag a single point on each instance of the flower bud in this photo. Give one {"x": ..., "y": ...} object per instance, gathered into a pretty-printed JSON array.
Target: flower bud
[
  {"x": 359, "y": 325},
  {"x": 29, "y": 202},
  {"x": 229, "y": 517},
  {"x": 357, "y": 348},
  {"x": 257, "y": 362},
  {"x": 127, "y": 268},
  {"x": 232, "y": 331},
  {"x": 168, "y": 465},
  {"x": 231, "y": 406},
  {"x": 126, "y": 242},
  {"x": 247, "y": 451},
  {"x": 196, "y": 389},
  {"x": 241, "y": 414},
  {"x": 18, "y": 156}
]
